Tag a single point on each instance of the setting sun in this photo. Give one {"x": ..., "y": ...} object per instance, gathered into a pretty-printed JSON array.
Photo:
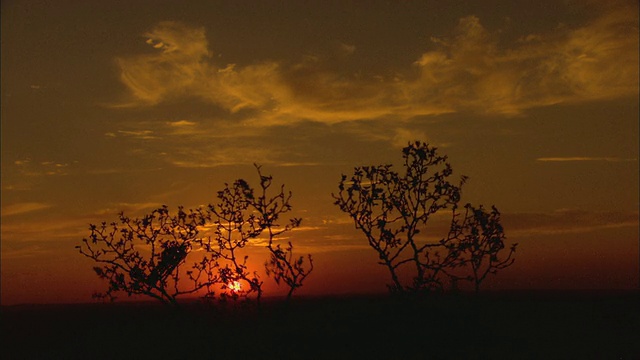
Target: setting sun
[{"x": 235, "y": 286}]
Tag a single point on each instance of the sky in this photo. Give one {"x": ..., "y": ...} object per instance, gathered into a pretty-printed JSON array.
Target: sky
[{"x": 128, "y": 105}]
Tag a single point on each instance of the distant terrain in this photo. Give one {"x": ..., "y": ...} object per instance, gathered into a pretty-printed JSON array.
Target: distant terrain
[{"x": 522, "y": 325}]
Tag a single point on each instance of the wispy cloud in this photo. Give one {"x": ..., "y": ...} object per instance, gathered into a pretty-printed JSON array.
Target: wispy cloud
[
  {"x": 22, "y": 208},
  {"x": 128, "y": 208},
  {"x": 183, "y": 127},
  {"x": 208, "y": 143},
  {"x": 175, "y": 69},
  {"x": 403, "y": 136},
  {"x": 56, "y": 228},
  {"x": 566, "y": 221},
  {"x": 13, "y": 252},
  {"x": 221, "y": 155},
  {"x": 274, "y": 94},
  {"x": 584, "y": 158},
  {"x": 181, "y": 123},
  {"x": 139, "y": 134},
  {"x": 516, "y": 225},
  {"x": 28, "y": 167},
  {"x": 291, "y": 164},
  {"x": 470, "y": 70}
]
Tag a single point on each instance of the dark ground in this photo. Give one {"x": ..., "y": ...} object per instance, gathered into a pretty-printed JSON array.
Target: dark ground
[{"x": 534, "y": 325}]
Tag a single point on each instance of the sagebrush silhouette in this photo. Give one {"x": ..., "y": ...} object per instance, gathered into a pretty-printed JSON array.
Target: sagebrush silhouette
[
  {"x": 146, "y": 256},
  {"x": 392, "y": 210},
  {"x": 142, "y": 256}
]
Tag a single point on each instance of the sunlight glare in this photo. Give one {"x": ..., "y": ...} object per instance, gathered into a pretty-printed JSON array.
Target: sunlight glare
[{"x": 235, "y": 286}]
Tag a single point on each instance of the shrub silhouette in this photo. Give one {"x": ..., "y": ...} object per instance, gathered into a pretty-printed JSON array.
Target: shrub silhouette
[
  {"x": 477, "y": 241},
  {"x": 392, "y": 210},
  {"x": 146, "y": 256},
  {"x": 241, "y": 215},
  {"x": 282, "y": 266},
  {"x": 142, "y": 256}
]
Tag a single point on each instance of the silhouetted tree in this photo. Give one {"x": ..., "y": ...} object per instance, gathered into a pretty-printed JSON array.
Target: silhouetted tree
[
  {"x": 477, "y": 241},
  {"x": 143, "y": 256},
  {"x": 392, "y": 209},
  {"x": 241, "y": 215},
  {"x": 282, "y": 266},
  {"x": 234, "y": 225}
]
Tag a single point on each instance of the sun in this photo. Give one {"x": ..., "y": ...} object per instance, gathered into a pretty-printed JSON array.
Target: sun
[{"x": 235, "y": 286}]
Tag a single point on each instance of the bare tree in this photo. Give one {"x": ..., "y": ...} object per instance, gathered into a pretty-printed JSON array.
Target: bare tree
[
  {"x": 392, "y": 209},
  {"x": 143, "y": 256}
]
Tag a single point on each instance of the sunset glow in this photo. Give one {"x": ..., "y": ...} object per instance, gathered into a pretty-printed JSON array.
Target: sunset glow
[
  {"x": 128, "y": 106},
  {"x": 235, "y": 286}
]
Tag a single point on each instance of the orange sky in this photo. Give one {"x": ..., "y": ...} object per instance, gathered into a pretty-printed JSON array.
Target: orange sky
[{"x": 126, "y": 106}]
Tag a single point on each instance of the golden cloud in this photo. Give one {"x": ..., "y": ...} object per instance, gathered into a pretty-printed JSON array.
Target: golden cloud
[
  {"x": 22, "y": 208},
  {"x": 583, "y": 158},
  {"x": 596, "y": 61},
  {"x": 567, "y": 221},
  {"x": 468, "y": 71}
]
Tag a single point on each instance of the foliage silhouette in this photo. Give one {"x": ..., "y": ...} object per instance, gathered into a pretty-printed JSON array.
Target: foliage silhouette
[
  {"x": 145, "y": 256},
  {"x": 392, "y": 210},
  {"x": 241, "y": 215},
  {"x": 234, "y": 226},
  {"x": 281, "y": 264},
  {"x": 477, "y": 241}
]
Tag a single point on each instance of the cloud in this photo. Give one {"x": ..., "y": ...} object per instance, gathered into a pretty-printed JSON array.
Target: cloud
[
  {"x": 291, "y": 164},
  {"x": 600, "y": 60},
  {"x": 220, "y": 154},
  {"x": 23, "y": 252},
  {"x": 404, "y": 136},
  {"x": 30, "y": 168},
  {"x": 22, "y": 208},
  {"x": 182, "y": 66},
  {"x": 56, "y": 228},
  {"x": 129, "y": 208},
  {"x": 470, "y": 71},
  {"x": 347, "y": 49},
  {"x": 209, "y": 143},
  {"x": 584, "y": 158},
  {"x": 138, "y": 134},
  {"x": 339, "y": 232},
  {"x": 181, "y": 123},
  {"x": 173, "y": 69},
  {"x": 273, "y": 94},
  {"x": 183, "y": 127},
  {"x": 467, "y": 71},
  {"x": 566, "y": 221}
]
